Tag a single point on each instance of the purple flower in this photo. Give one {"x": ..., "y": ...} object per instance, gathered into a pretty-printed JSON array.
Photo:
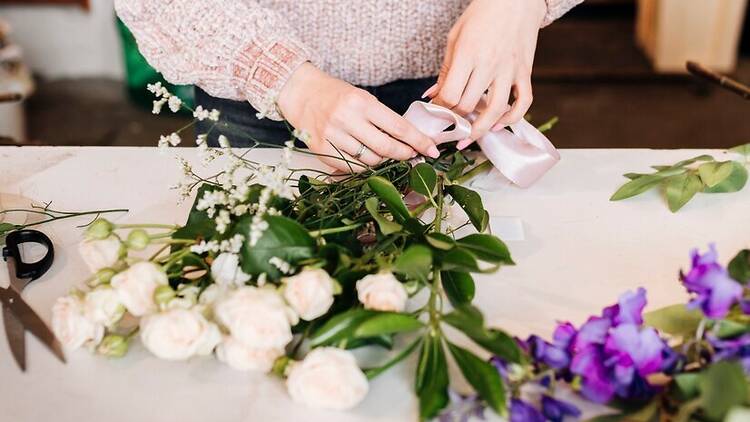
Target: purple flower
[
  {"x": 737, "y": 348},
  {"x": 462, "y": 408},
  {"x": 551, "y": 355},
  {"x": 520, "y": 411},
  {"x": 629, "y": 308},
  {"x": 715, "y": 291},
  {"x": 556, "y": 410}
]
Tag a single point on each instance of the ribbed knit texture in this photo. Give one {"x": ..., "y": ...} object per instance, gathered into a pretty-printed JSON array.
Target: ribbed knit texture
[{"x": 247, "y": 50}]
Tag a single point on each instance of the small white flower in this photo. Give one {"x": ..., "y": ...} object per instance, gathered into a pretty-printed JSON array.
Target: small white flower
[
  {"x": 102, "y": 306},
  {"x": 214, "y": 115},
  {"x": 226, "y": 270},
  {"x": 174, "y": 139},
  {"x": 201, "y": 139},
  {"x": 223, "y": 141},
  {"x": 257, "y": 317},
  {"x": 158, "y": 104},
  {"x": 222, "y": 221},
  {"x": 309, "y": 293},
  {"x": 382, "y": 292},
  {"x": 71, "y": 326},
  {"x": 281, "y": 265},
  {"x": 201, "y": 113},
  {"x": 328, "y": 378},
  {"x": 203, "y": 247},
  {"x": 98, "y": 254},
  {"x": 243, "y": 358},
  {"x": 177, "y": 334},
  {"x": 158, "y": 90},
  {"x": 175, "y": 103},
  {"x": 136, "y": 287}
]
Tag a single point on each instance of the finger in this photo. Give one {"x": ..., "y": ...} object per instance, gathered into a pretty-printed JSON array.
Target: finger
[
  {"x": 456, "y": 79},
  {"x": 521, "y": 105},
  {"x": 497, "y": 105},
  {"x": 353, "y": 147},
  {"x": 338, "y": 159},
  {"x": 478, "y": 83},
  {"x": 402, "y": 130},
  {"x": 448, "y": 59}
]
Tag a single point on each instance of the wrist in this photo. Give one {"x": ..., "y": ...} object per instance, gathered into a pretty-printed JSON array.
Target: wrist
[
  {"x": 540, "y": 10},
  {"x": 292, "y": 95}
]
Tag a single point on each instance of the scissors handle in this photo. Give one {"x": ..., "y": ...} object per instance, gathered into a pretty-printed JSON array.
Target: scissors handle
[{"x": 28, "y": 270}]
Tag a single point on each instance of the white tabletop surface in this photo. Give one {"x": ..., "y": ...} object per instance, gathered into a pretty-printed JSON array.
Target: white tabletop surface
[{"x": 579, "y": 253}]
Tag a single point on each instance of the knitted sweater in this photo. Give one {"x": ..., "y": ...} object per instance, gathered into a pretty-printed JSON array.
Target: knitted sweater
[{"x": 247, "y": 49}]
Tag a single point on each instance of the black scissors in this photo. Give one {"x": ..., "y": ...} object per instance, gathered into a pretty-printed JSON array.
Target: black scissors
[{"x": 17, "y": 314}]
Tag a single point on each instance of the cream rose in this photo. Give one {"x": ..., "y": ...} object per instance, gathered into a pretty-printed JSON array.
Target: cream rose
[
  {"x": 177, "y": 334},
  {"x": 98, "y": 254},
  {"x": 226, "y": 270},
  {"x": 256, "y": 317},
  {"x": 243, "y": 358},
  {"x": 310, "y": 293},
  {"x": 382, "y": 292},
  {"x": 71, "y": 326},
  {"x": 103, "y": 306},
  {"x": 136, "y": 287},
  {"x": 327, "y": 378}
]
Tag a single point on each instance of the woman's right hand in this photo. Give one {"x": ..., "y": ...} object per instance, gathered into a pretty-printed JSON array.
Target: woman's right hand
[{"x": 334, "y": 112}]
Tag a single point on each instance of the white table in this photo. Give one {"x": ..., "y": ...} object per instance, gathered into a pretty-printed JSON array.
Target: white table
[{"x": 580, "y": 253}]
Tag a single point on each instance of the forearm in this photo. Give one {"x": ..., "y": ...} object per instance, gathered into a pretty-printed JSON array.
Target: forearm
[
  {"x": 557, "y": 8},
  {"x": 231, "y": 49}
]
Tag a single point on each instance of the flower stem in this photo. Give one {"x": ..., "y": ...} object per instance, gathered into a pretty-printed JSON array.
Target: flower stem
[
  {"x": 324, "y": 232},
  {"x": 435, "y": 290},
  {"x": 481, "y": 168},
  {"x": 147, "y": 226}
]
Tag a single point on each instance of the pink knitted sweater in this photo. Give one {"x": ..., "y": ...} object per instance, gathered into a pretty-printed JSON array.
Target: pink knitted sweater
[{"x": 247, "y": 49}]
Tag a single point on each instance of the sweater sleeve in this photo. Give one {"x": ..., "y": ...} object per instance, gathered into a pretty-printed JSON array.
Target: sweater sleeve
[
  {"x": 232, "y": 49},
  {"x": 557, "y": 8}
]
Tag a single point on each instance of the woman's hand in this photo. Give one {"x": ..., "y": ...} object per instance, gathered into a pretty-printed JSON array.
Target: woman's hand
[
  {"x": 334, "y": 112},
  {"x": 490, "y": 48}
]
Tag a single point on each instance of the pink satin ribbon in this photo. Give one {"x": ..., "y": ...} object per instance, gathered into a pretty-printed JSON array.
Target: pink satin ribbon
[{"x": 522, "y": 156}]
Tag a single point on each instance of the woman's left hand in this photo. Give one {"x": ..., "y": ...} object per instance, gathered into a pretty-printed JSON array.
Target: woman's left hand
[{"x": 490, "y": 48}]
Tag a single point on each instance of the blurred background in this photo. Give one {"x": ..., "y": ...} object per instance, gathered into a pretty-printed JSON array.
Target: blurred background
[{"x": 611, "y": 70}]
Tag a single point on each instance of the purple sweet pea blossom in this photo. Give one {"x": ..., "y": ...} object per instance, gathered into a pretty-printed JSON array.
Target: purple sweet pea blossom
[
  {"x": 462, "y": 408},
  {"x": 737, "y": 348},
  {"x": 715, "y": 291},
  {"x": 556, "y": 410},
  {"x": 520, "y": 411}
]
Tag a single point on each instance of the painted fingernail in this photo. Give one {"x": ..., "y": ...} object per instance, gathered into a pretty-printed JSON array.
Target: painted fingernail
[
  {"x": 463, "y": 143},
  {"x": 433, "y": 152},
  {"x": 430, "y": 91},
  {"x": 499, "y": 126}
]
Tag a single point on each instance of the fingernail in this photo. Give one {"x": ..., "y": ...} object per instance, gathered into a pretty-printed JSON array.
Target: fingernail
[
  {"x": 414, "y": 154},
  {"x": 463, "y": 143},
  {"x": 430, "y": 91},
  {"x": 499, "y": 126},
  {"x": 433, "y": 152}
]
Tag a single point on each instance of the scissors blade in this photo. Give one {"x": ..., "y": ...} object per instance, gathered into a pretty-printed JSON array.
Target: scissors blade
[
  {"x": 31, "y": 321},
  {"x": 14, "y": 331}
]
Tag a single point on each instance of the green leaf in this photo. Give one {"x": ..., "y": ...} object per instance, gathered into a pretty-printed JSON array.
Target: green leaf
[
  {"x": 387, "y": 323},
  {"x": 482, "y": 376},
  {"x": 386, "y": 226},
  {"x": 199, "y": 225},
  {"x": 440, "y": 241},
  {"x": 458, "y": 259},
  {"x": 686, "y": 385},
  {"x": 638, "y": 186},
  {"x": 283, "y": 238},
  {"x": 713, "y": 173},
  {"x": 371, "y": 373},
  {"x": 431, "y": 381},
  {"x": 6, "y": 227},
  {"x": 734, "y": 183},
  {"x": 457, "y": 167},
  {"x": 723, "y": 385},
  {"x": 676, "y": 320},
  {"x": 741, "y": 149},
  {"x": 683, "y": 163},
  {"x": 339, "y": 327},
  {"x": 471, "y": 203},
  {"x": 682, "y": 188},
  {"x": 487, "y": 247},
  {"x": 633, "y": 176},
  {"x": 469, "y": 320},
  {"x": 728, "y": 329},
  {"x": 390, "y": 196},
  {"x": 458, "y": 287},
  {"x": 415, "y": 263},
  {"x": 423, "y": 179},
  {"x": 739, "y": 267}
]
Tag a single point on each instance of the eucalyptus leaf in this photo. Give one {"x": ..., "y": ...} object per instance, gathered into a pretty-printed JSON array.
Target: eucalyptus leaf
[
  {"x": 487, "y": 248},
  {"x": 371, "y": 373},
  {"x": 723, "y": 386},
  {"x": 469, "y": 320},
  {"x": 741, "y": 149},
  {"x": 283, "y": 238},
  {"x": 432, "y": 378},
  {"x": 387, "y": 323},
  {"x": 482, "y": 376},
  {"x": 689, "y": 161},
  {"x": 471, "y": 203},
  {"x": 633, "y": 176},
  {"x": 386, "y": 226},
  {"x": 713, "y": 173},
  {"x": 423, "y": 179},
  {"x": 681, "y": 189},
  {"x": 739, "y": 267},
  {"x": 458, "y": 287},
  {"x": 415, "y": 263},
  {"x": 390, "y": 197},
  {"x": 676, "y": 320},
  {"x": 734, "y": 183},
  {"x": 440, "y": 241},
  {"x": 639, "y": 185},
  {"x": 339, "y": 327}
]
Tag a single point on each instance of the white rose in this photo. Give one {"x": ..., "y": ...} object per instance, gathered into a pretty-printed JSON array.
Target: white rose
[
  {"x": 178, "y": 334},
  {"x": 136, "y": 287},
  {"x": 71, "y": 326},
  {"x": 98, "y": 254},
  {"x": 243, "y": 358},
  {"x": 327, "y": 378},
  {"x": 226, "y": 270},
  {"x": 382, "y": 292},
  {"x": 257, "y": 317},
  {"x": 102, "y": 306},
  {"x": 310, "y": 293}
]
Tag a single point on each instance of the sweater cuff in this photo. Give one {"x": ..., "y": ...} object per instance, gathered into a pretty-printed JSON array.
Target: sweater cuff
[
  {"x": 264, "y": 66},
  {"x": 557, "y": 8}
]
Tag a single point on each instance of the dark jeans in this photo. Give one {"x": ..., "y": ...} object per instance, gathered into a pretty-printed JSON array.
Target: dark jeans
[{"x": 239, "y": 123}]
